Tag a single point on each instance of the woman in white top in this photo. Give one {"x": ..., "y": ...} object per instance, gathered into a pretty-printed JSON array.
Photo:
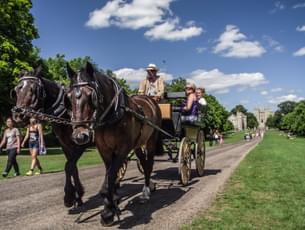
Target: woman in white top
[{"x": 12, "y": 140}]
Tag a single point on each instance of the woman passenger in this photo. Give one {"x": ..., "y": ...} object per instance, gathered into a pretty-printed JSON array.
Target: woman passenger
[{"x": 190, "y": 108}]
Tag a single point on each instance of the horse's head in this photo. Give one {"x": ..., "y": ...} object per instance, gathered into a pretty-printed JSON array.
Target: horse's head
[
  {"x": 84, "y": 100},
  {"x": 28, "y": 94}
]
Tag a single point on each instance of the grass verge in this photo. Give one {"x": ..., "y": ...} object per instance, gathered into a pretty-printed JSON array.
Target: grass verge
[
  {"x": 54, "y": 161},
  {"x": 267, "y": 191}
]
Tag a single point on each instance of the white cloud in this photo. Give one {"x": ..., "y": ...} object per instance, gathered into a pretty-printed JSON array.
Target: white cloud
[
  {"x": 277, "y": 7},
  {"x": 299, "y": 5},
  {"x": 232, "y": 43},
  {"x": 136, "y": 14},
  {"x": 301, "y": 28},
  {"x": 289, "y": 97},
  {"x": 218, "y": 82},
  {"x": 274, "y": 90},
  {"x": 134, "y": 76},
  {"x": 264, "y": 92},
  {"x": 200, "y": 49},
  {"x": 152, "y": 14},
  {"x": 299, "y": 52},
  {"x": 214, "y": 80},
  {"x": 275, "y": 45},
  {"x": 171, "y": 31}
]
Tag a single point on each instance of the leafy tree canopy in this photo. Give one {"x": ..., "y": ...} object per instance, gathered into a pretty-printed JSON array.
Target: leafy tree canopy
[
  {"x": 286, "y": 107},
  {"x": 251, "y": 120},
  {"x": 17, "y": 31},
  {"x": 239, "y": 108}
]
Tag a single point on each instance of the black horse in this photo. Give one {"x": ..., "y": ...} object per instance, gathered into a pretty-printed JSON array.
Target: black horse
[
  {"x": 37, "y": 94},
  {"x": 101, "y": 108}
]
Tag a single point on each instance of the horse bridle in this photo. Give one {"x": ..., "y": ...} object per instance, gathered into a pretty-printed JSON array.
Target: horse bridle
[
  {"x": 97, "y": 100},
  {"x": 40, "y": 91}
]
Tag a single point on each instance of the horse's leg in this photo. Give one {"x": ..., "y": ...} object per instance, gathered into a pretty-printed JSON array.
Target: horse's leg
[
  {"x": 104, "y": 188},
  {"x": 146, "y": 157},
  {"x": 69, "y": 189},
  {"x": 79, "y": 189},
  {"x": 73, "y": 193},
  {"x": 111, "y": 206}
]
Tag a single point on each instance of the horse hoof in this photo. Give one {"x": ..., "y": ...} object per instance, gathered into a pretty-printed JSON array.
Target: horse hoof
[
  {"x": 107, "y": 218},
  {"x": 68, "y": 204}
]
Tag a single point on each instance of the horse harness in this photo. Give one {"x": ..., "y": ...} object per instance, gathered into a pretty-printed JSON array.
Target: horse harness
[
  {"x": 58, "y": 109},
  {"x": 53, "y": 113}
]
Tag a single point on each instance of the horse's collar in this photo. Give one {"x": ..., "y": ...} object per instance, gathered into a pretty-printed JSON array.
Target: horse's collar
[
  {"x": 118, "y": 104},
  {"x": 58, "y": 107}
]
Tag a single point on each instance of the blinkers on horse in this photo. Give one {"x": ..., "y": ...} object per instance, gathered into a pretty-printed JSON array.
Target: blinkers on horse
[{"x": 29, "y": 86}]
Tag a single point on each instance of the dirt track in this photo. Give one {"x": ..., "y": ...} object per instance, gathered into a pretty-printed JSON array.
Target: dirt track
[{"x": 37, "y": 202}]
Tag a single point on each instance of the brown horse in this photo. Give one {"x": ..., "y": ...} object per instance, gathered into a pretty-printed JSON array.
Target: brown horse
[
  {"x": 35, "y": 93},
  {"x": 101, "y": 109}
]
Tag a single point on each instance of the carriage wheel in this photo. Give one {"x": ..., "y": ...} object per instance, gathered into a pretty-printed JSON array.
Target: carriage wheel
[
  {"x": 200, "y": 153},
  {"x": 185, "y": 154},
  {"x": 140, "y": 168},
  {"x": 122, "y": 171}
]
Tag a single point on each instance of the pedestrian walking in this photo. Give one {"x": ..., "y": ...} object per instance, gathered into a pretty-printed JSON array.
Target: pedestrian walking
[
  {"x": 11, "y": 138},
  {"x": 36, "y": 142}
]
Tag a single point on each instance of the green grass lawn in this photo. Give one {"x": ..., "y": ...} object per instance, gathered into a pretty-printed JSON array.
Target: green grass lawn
[
  {"x": 234, "y": 137},
  {"x": 267, "y": 191},
  {"x": 52, "y": 162}
]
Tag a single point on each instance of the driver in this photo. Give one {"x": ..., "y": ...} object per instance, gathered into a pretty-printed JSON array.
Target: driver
[{"x": 153, "y": 84}]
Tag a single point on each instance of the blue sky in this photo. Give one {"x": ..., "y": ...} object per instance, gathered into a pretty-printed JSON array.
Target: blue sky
[{"x": 242, "y": 51}]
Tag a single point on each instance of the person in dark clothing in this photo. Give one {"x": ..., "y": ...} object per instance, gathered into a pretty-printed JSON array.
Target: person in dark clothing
[{"x": 11, "y": 138}]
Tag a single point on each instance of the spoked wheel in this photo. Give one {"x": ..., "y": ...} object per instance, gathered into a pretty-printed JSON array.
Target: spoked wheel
[
  {"x": 200, "y": 153},
  {"x": 140, "y": 168},
  {"x": 185, "y": 155},
  {"x": 122, "y": 171}
]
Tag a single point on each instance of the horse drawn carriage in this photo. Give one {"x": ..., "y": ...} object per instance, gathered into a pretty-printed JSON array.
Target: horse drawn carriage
[
  {"x": 95, "y": 108},
  {"x": 184, "y": 142}
]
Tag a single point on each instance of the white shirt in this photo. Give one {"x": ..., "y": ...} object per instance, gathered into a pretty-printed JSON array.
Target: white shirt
[
  {"x": 202, "y": 101},
  {"x": 152, "y": 86}
]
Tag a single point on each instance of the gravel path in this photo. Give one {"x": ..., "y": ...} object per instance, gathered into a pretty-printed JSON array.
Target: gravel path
[{"x": 37, "y": 202}]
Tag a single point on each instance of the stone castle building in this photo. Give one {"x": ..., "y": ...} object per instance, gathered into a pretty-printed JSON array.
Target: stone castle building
[
  {"x": 239, "y": 121},
  {"x": 262, "y": 116}
]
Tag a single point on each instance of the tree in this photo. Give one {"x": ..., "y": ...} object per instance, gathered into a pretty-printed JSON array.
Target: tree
[
  {"x": 286, "y": 107},
  {"x": 286, "y": 122},
  {"x": 251, "y": 121},
  {"x": 228, "y": 126},
  {"x": 239, "y": 108},
  {"x": 275, "y": 120},
  {"x": 17, "y": 31},
  {"x": 295, "y": 121},
  {"x": 177, "y": 85},
  {"x": 216, "y": 116},
  {"x": 56, "y": 67}
]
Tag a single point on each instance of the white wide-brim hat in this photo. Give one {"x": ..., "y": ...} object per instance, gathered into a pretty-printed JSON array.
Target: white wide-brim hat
[{"x": 152, "y": 67}]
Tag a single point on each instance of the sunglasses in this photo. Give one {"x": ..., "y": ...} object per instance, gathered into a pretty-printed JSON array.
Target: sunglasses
[{"x": 187, "y": 88}]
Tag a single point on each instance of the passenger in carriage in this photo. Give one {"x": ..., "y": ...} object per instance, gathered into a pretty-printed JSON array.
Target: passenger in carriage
[
  {"x": 200, "y": 93},
  {"x": 201, "y": 102},
  {"x": 153, "y": 84},
  {"x": 190, "y": 106}
]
